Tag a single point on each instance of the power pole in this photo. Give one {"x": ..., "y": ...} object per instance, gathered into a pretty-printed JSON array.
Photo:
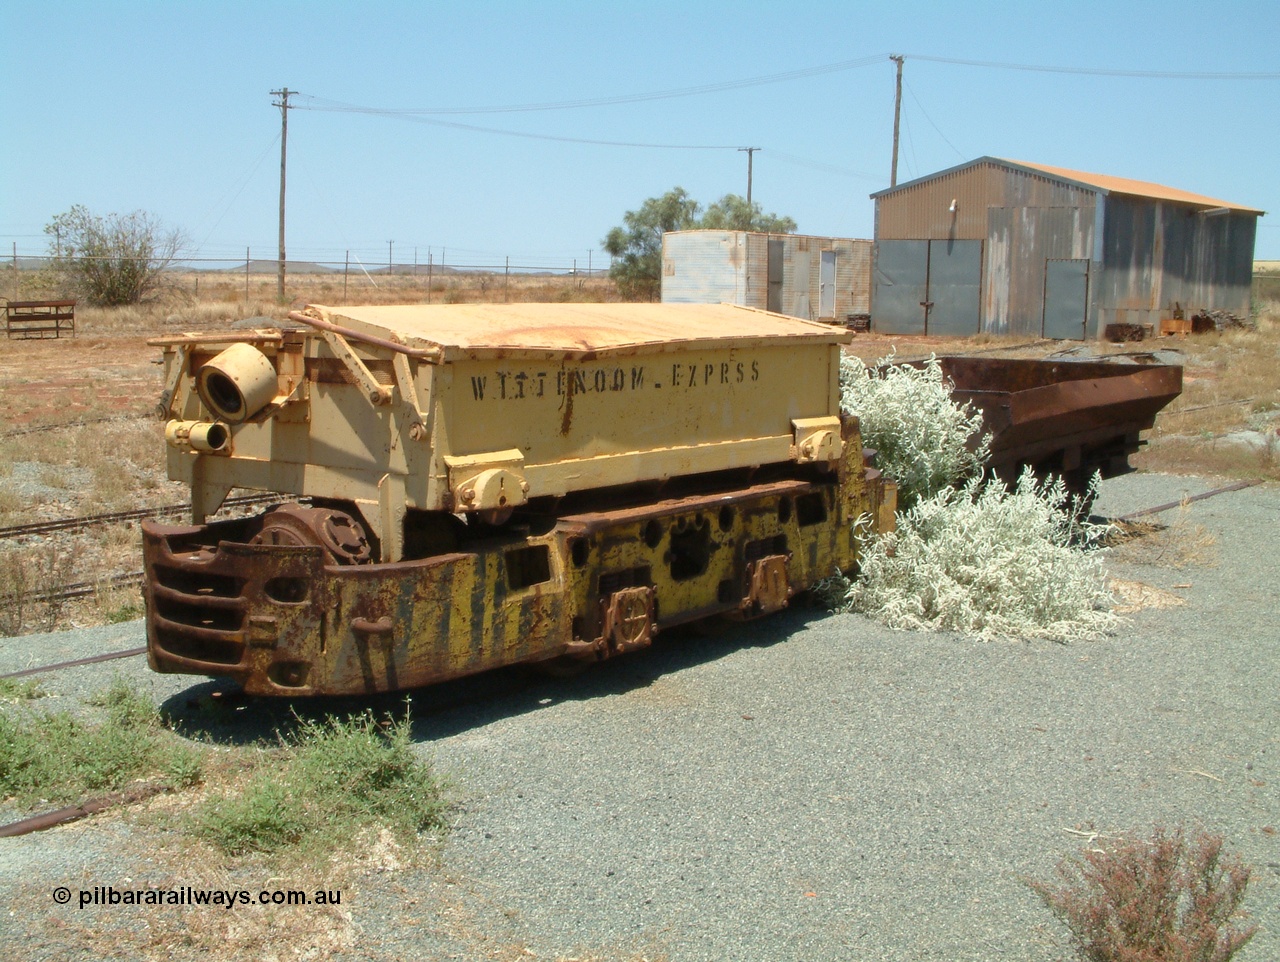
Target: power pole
[
  {"x": 283, "y": 93},
  {"x": 750, "y": 152},
  {"x": 897, "y": 114}
]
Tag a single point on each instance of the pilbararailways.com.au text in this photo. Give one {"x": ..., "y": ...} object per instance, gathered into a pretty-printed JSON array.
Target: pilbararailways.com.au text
[{"x": 109, "y": 895}]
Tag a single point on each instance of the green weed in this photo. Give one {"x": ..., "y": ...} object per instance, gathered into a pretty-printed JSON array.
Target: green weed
[
  {"x": 332, "y": 779},
  {"x": 58, "y": 757}
]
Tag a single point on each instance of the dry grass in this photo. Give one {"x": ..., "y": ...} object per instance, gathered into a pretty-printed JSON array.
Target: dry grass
[
  {"x": 1181, "y": 544},
  {"x": 1227, "y": 419}
]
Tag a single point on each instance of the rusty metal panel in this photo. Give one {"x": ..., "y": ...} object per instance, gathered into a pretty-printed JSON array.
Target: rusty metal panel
[
  {"x": 1161, "y": 260},
  {"x": 1021, "y": 242},
  {"x": 1136, "y": 188},
  {"x": 953, "y": 203}
]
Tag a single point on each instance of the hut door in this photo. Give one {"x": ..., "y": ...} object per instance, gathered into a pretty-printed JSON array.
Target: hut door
[
  {"x": 827, "y": 285},
  {"x": 955, "y": 282},
  {"x": 900, "y": 286},
  {"x": 1066, "y": 298},
  {"x": 773, "y": 301}
]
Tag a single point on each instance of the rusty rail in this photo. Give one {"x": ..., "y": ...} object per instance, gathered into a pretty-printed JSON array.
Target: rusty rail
[
  {"x": 60, "y": 816},
  {"x": 1237, "y": 486},
  {"x": 113, "y": 517},
  {"x": 91, "y": 660}
]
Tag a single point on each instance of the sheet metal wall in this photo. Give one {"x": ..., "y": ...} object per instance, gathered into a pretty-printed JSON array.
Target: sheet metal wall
[
  {"x": 705, "y": 267},
  {"x": 709, "y": 267},
  {"x": 1159, "y": 257},
  {"x": 1021, "y": 240},
  {"x": 922, "y": 211}
]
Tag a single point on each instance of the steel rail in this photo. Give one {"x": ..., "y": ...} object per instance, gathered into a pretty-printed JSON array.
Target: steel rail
[
  {"x": 1238, "y": 486},
  {"x": 76, "y": 663},
  {"x": 68, "y": 425},
  {"x": 113, "y": 517}
]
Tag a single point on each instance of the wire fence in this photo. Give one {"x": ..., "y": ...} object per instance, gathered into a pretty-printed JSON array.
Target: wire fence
[
  {"x": 250, "y": 275},
  {"x": 351, "y": 262}
]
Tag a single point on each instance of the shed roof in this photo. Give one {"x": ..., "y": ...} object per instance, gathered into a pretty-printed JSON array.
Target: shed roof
[
  {"x": 1103, "y": 183},
  {"x": 462, "y": 329}
]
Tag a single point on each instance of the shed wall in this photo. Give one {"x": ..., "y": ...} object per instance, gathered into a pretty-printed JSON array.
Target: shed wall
[
  {"x": 708, "y": 267},
  {"x": 1161, "y": 258},
  {"x": 1021, "y": 241},
  {"x": 704, "y": 267},
  {"x": 923, "y": 211}
]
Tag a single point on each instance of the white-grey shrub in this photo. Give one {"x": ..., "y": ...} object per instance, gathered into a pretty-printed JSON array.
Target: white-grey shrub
[
  {"x": 988, "y": 562},
  {"x": 925, "y": 441}
]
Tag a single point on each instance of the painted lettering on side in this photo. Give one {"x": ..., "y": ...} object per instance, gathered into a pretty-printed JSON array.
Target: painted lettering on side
[{"x": 515, "y": 384}]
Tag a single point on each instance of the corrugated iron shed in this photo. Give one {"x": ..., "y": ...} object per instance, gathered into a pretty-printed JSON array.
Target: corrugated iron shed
[{"x": 1009, "y": 246}]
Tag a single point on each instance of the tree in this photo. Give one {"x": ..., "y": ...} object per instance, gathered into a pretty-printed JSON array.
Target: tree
[
  {"x": 112, "y": 260},
  {"x": 732, "y": 212},
  {"x": 637, "y": 245}
]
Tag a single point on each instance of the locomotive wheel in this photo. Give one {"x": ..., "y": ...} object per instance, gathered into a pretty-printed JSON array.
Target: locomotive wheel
[{"x": 292, "y": 525}]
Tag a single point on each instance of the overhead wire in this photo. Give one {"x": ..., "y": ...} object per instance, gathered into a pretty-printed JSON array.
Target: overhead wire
[
  {"x": 1105, "y": 71},
  {"x": 339, "y": 107},
  {"x": 416, "y": 118},
  {"x": 931, "y": 122}
]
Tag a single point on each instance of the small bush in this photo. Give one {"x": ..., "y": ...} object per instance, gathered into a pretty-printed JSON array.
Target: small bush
[
  {"x": 1162, "y": 899},
  {"x": 986, "y": 561},
  {"x": 333, "y": 778},
  {"x": 925, "y": 441}
]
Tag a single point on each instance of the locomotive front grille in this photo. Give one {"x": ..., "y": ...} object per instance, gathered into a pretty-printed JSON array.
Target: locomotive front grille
[{"x": 197, "y": 614}]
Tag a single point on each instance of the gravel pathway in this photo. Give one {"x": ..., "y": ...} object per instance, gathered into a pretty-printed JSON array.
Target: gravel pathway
[{"x": 808, "y": 787}]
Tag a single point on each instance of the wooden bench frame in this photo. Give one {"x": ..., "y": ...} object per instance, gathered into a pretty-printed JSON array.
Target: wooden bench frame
[{"x": 40, "y": 318}]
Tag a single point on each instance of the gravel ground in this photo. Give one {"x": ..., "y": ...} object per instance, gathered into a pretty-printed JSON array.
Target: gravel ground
[{"x": 808, "y": 787}]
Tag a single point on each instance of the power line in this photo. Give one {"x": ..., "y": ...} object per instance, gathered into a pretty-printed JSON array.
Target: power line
[
  {"x": 827, "y": 168},
  {"x": 339, "y": 107},
  {"x": 417, "y": 119},
  {"x": 931, "y": 122},
  {"x": 1105, "y": 71}
]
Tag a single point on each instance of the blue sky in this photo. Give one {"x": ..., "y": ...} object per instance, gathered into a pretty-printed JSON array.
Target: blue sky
[{"x": 165, "y": 107}]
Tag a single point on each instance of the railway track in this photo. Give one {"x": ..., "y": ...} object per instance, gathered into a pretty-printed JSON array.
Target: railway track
[
  {"x": 116, "y": 517},
  {"x": 84, "y": 589},
  {"x": 68, "y": 425}
]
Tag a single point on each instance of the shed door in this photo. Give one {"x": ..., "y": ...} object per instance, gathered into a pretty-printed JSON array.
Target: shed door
[
  {"x": 955, "y": 282},
  {"x": 827, "y": 285},
  {"x": 774, "y": 300},
  {"x": 900, "y": 286},
  {"x": 1066, "y": 298}
]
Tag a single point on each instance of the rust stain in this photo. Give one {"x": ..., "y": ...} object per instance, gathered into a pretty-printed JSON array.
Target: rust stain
[{"x": 566, "y": 420}]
